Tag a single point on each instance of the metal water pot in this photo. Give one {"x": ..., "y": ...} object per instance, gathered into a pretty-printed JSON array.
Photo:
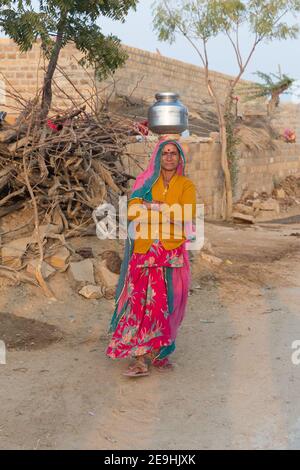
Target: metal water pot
[{"x": 168, "y": 115}]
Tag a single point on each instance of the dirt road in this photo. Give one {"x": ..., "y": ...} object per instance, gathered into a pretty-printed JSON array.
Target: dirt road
[{"x": 234, "y": 385}]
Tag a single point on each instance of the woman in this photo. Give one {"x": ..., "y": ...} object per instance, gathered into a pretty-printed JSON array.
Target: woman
[{"x": 152, "y": 291}]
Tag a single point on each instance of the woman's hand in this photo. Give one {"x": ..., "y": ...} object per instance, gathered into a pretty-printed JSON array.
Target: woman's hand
[
  {"x": 154, "y": 205},
  {"x": 147, "y": 204}
]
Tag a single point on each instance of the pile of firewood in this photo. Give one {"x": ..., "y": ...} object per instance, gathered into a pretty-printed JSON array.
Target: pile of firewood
[
  {"x": 60, "y": 170},
  {"x": 72, "y": 164}
]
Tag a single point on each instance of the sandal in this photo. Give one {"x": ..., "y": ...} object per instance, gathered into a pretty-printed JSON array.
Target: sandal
[{"x": 138, "y": 369}]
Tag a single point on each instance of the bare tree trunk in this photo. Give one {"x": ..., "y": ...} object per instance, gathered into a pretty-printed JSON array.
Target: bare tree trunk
[
  {"x": 223, "y": 139},
  {"x": 225, "y": 165},
  {"x": 273, "y": 102},
  {"x": 47, "y": 86}
]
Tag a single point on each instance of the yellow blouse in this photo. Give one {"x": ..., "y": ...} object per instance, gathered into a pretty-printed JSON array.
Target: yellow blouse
[{"x": 154, "y": 224}]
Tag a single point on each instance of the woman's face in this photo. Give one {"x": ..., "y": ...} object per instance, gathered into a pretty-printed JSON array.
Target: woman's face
[{"x": 170, "y": 157}]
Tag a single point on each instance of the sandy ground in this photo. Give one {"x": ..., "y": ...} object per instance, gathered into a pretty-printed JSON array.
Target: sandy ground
[{"x": 234, "y": 385}]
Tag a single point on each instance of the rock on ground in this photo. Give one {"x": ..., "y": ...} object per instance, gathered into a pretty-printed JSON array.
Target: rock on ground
[{"x": 83, "y": 271}]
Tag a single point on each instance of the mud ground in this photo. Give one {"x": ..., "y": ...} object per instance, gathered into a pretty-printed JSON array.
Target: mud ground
[{"x": 234, "y": 385}]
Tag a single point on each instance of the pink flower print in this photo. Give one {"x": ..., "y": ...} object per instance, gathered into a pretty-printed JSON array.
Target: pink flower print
[
  {"x": 145, "y": 324},
  {"x": 113, "y": 344},
  {"x": 127, "y": 337},
  {"x": 151, "y": 261},
  {"x": 150, "y": 295},
  {"x": 130, "y": 288}
]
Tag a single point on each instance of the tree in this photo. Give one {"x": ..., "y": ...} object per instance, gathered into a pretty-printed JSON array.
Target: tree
[
  {"x": 271, "y": 86},
  {"x": 58, "y": 22},
  {"x": 199, "y": 21}
]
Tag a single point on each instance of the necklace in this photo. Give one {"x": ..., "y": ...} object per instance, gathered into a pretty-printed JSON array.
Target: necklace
[
  {"x": 166, "y": 187},
  {"x": 166, "y": 184}
]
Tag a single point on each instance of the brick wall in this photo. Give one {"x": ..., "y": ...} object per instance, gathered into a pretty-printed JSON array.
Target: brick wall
[
  {"x": 259, "y": 173},
  {"x": 143, "y": 75},
  {"x": 256, "y": 173},
  {"x": 23, "y": 73},
  {"x": 203, "y": 167},
  {"x": 287, "y": 115},
  {"x": 146, "y": 73}
]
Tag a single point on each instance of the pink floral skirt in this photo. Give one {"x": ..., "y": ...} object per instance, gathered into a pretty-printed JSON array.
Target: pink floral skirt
[{"x": 144, "y": 326}]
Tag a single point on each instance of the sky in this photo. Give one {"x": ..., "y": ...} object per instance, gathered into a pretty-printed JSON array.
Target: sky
[{"x": 138, "y": 32}]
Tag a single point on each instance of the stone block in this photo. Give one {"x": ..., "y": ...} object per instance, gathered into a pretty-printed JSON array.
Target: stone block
[
  {"x": 82, "y": 271},
  {"x": 59, "y": 260},
  {"x": 92, "y": 292}
]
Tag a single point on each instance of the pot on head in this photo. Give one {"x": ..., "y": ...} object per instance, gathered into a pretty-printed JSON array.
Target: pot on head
[{"x": 168, "y": 115}]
